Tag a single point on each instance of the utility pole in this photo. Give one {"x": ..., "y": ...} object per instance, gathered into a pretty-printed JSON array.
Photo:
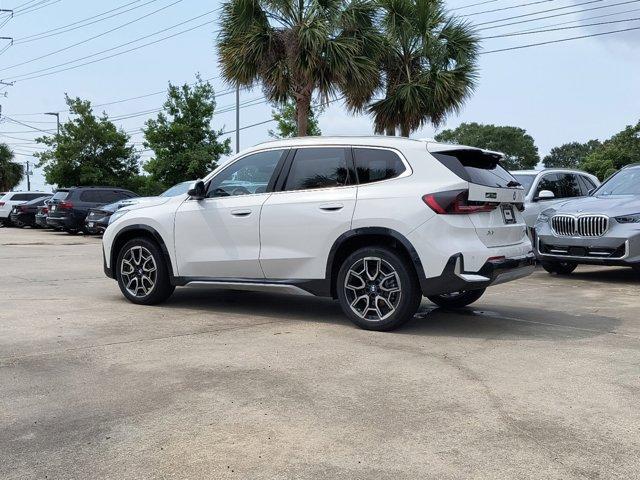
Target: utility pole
[
  {"x": 57, "y": 115},
  {"x": 28, "y": 173},
  {"x": 237, "y": 118}
]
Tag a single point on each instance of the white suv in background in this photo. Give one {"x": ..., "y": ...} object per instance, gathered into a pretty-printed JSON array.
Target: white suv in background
[
  {"x": 376, "y": 222},
  {"x": 9, "y": 200}
]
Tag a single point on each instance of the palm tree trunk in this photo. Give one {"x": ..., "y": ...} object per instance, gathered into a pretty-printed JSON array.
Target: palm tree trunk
[
  {"x": 303, "y": 107},
  {"x": 391, "y": 131},
  {"x": 405, "y": 130}
]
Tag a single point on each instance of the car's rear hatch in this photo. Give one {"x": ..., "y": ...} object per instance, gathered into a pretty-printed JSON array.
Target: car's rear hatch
[
  {"x": 490, "y": 184},
  {"x": 57, "y": 205}
]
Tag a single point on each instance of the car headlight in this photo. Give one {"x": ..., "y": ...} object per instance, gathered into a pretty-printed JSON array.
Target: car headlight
[
  {"x": 116, "y": 215},
  {"x": 543, "y": 217},
  {"x": 633, "y": 218}
]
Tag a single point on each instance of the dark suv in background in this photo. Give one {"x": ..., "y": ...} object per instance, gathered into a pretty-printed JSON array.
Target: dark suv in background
[{"x": 69, "y": 206}]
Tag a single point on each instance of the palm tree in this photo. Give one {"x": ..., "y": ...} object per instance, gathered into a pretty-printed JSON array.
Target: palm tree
[
  {"x": 301, "y": 49},
  {"x": 11, "y": 172},
  {"x": 429, "y": 65}
]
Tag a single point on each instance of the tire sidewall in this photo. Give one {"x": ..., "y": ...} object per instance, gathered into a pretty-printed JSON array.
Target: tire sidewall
[{"x": 411, "y": 295}]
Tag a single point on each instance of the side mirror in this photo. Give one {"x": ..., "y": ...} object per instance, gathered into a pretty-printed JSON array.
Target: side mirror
[
  {"x": 197, "y": 190},
  {"x": 545, "y": 195}
]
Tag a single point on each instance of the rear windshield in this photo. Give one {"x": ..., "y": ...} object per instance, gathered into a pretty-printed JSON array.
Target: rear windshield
[
  {"x": 60, "y": 195},
  {"x": 525, "y": 180},
  {"x": 476, "y": 167}
]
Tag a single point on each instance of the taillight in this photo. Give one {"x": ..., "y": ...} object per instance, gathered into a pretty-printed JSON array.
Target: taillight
[
  {"x": 455, "y": 202},
  {"x": 45, "y": 210},
  {"x": 1, "y": 204},
  {"x": 23, "y": 209},
  {"x": 65, "y": 205}
]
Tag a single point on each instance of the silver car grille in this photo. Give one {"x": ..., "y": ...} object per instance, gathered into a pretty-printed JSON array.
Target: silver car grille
[{"x": 582, "y": 226}]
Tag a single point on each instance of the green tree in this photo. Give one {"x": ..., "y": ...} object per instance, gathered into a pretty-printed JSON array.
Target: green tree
[
  {"x": 89, "y": 150},
  {"x": 287, "y": 127},
  {"x": 301, "y": 49},
  {"x": 11, "y": 172},
  {"x": 184, "y": 144},
  {"x": 620, "y": 150},
  {"x": 570, "y": 155},
  {"x": 518, "y": 147},
  {"x": 429, "y": 65}
]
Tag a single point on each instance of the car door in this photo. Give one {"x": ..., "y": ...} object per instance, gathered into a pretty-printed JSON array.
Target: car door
[
  {"x": 219, "y": 236},
  {"x": 312, "y": 207}
]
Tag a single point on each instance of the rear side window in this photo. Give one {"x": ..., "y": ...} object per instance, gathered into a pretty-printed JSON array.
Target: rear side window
[
  {"x": 476, "y": 167},
  {"x": 318, "y": 168},
  {"x": 374, "y": 164},
  {"x": 20, "y": 197},
  {"x": 91, "y": 196},
  {"x": 110, "y": 196}
]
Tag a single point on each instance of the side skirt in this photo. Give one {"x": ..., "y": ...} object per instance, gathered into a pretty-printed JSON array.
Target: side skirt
[{"x": 318, "y": 287}]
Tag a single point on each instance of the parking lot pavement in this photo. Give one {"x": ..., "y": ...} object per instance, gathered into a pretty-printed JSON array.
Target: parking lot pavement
[{"x": 539, "y": 380}]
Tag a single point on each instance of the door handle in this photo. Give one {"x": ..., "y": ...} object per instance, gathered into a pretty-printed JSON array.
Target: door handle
[
  {"x": 240, "y": 213},
  {"x": 331, "y": 207}
]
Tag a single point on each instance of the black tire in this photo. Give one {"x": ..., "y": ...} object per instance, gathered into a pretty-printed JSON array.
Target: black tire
[
  {"x": 457, "y": 299},
  {"x": 393, "y": 272},
  {"x": 636, "y": 268},
  {"x": 161, "y": 288},
  {"x": 559, "y": 268}
]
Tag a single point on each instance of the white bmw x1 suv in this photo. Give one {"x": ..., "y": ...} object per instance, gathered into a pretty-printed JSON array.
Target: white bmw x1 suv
[{"x": 375, "y": 222}]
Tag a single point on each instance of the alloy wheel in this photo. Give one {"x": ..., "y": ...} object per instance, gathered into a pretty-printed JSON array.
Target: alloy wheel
[
  {"x": 372, "y": 287},
  {"x": 139, "y": 271}
]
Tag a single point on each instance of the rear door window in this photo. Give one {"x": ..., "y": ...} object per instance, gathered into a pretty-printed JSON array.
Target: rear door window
[
  {"x": 476, "y": 166},
  {"x": 549, "y": 182},
  {"x": 110, "y": 196},
  {"x": 375, "y": 164},
  {"x": 318, "y": 168},
  {"x": 92, "y": 196}
]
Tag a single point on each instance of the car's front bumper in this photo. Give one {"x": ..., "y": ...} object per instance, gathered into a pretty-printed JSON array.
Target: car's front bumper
[
  {"x": 619, "y": 246},
  {"x": 454, "y": 278},
  {"x": 41, "y": 220}
]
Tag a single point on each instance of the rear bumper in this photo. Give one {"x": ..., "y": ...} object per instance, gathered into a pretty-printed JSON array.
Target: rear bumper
[
  {"x": 98, "y": 227},
  {"x": 41, "y": 220},
  {"x": 454, "y": 278},
  {"x": 22, "y": 218},
  {"x": 63, "y": 222}
]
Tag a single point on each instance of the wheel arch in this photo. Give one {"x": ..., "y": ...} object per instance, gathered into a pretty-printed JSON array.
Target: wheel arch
[
  {"x": 352, "y": 240},
  {"x": 139, "y": 231}
]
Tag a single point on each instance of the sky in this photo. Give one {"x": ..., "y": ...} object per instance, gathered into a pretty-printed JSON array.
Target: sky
[{"x": 561, "y": 92}]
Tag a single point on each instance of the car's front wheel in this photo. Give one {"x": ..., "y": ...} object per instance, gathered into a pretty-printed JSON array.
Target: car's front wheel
[
  {"x": 457, "y": 299},
  {"x": 378, "y": 289},
  {"x": 559, "y": 268},
  {"x": 142, "y": 272}
]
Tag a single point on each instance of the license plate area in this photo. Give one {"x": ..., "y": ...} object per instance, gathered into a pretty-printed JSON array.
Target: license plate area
[{"x": 508, "y": 214}]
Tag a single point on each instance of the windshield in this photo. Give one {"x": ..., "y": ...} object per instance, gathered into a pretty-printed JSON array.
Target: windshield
[
  {"x": 625, "y": 182},
  {"x": 176, "y": 190},
  {"x": 526, "y": 180}
]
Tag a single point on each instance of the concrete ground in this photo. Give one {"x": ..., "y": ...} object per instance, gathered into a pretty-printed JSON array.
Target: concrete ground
[{"x": 539, "y": 380}]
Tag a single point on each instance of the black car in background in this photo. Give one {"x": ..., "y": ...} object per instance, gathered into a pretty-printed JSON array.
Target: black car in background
[
  {"x": 41, "y": 215},
  {"x": 97, "y": 220},
  {"x": 25, "y": 215},
  {"x": 70, "y": 206}
]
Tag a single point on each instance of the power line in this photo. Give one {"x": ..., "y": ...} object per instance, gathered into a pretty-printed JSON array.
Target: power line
[
  {"x": 532, "y": 32},
  {"x": 472, "y": 5},
  {"x": 36, "y": 7},
  {"x": 581, "y": 20},
  {"x": 32, "y": 75},
  {"x": 581, "y": 10},
  {"x": 560, "y": 40},
  {"x": 506, "y": 8},
  {"x": 54, "y": 31},
  {"x": 539, "y": 12},
  {"x": 95, "y": 36}
]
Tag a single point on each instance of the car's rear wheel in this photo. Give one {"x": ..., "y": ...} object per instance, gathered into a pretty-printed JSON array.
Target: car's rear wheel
[
  {"x": 142, "y": 272},
  {"x": 457, "y": 299},
  {"x": 378, "y": 289},
  {"x": 559, "y": 268}
]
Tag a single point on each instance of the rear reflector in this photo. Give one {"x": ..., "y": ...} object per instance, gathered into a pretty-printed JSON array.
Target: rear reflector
[{"x": 455, "y": 202}]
